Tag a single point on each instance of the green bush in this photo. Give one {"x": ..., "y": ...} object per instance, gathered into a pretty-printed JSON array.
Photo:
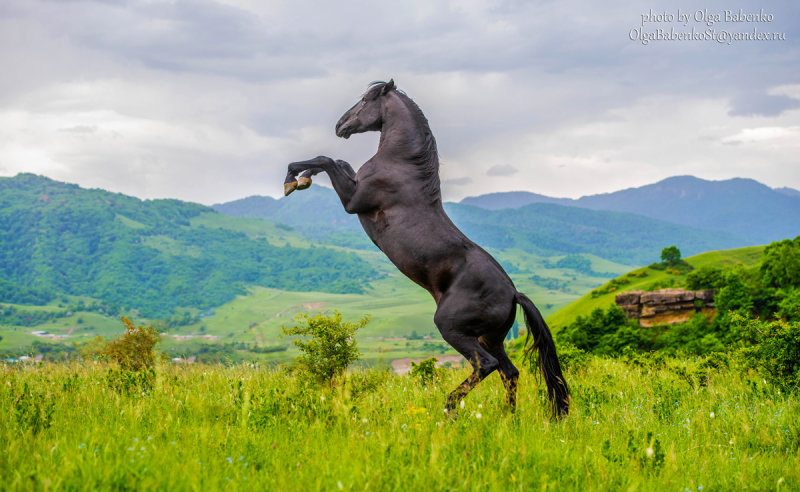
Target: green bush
[
  {"x": 571, "y": 357},
  {"x": 425, "y": 371},
  {"x": 134, "y": 350},
  {"x": 706, "y": 277},
  {"x": 772, "y": 348},
  {"x": 789, "y": 304},
  {"x": 135, "y": 353},
  {"x": 330, "y": 345},
  {"x": 780, "y": 264},
  {"x": 597, "y": 332}
]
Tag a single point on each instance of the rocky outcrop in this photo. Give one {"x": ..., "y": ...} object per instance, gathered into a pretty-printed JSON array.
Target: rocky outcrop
[{"x": 667, "y": 306}]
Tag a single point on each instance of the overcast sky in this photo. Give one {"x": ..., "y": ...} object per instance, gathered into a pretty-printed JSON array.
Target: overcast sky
[{"x": 209, "y": 100}]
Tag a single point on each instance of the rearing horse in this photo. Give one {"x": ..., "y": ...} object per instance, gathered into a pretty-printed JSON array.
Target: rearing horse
[{"x": 397, "y": 197}]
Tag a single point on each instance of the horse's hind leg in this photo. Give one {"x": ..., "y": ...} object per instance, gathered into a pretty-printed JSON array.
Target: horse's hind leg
[
  {"x": 483, "y": 363},
  {"x": 508, "y": 373}
]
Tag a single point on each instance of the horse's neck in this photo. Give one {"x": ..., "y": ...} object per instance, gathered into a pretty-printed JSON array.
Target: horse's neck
[{"x": 402, "y": 134}]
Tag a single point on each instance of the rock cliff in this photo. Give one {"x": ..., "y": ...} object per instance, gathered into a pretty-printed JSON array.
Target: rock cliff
[{"x": 667, "y": 306}]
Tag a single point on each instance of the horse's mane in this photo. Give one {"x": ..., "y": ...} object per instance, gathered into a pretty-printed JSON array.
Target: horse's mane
[{"x": 427, "y": 159}]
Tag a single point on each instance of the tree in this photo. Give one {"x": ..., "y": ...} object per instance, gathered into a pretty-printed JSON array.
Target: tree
[
  {"x": 670, "y": 254},
  {"x": 331, "y": 345},
  {"x": 780, "y": 265}
]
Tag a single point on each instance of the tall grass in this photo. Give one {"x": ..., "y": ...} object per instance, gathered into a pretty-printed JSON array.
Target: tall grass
[{"x": 646, "y": 424}]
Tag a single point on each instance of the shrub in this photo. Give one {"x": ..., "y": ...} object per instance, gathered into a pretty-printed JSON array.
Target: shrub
[
  {"x": 772, "y": 348},
  {"x": 707, "y": 277},
  {"x": 330, "y": 346},
  {"x": 780, "y": 264},
  {"x": 134, "y": 350},
  {"x": 596, "y": 332},
  {"x": 571, "y": 357},
  {"x": 425, "y": 371},
  {"x": 735, "y": 295},
  {"x": 789, "y": 304},
  {"x": 135, "y": 353}
]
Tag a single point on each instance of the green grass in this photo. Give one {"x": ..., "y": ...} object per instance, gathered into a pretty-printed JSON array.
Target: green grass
[
  {"x": 675, "y": 425},
  {"x": 583, "y": 306}
]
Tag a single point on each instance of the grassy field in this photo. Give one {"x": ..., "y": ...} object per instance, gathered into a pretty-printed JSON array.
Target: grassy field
[
  {"x": 635, "y": 425},
  {"x": 583, "y": 306}
]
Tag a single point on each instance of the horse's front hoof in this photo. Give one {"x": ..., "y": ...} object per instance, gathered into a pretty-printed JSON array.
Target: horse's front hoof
[
  {"x": 303, "y": 183},
  {"x": 288, "y": 188}
]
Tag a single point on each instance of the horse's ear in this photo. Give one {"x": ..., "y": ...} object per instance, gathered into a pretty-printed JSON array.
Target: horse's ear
[{"x": 387, "y": 87}]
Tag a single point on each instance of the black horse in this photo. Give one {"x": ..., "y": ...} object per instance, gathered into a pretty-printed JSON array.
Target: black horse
[{"x": 397, "y": 197}]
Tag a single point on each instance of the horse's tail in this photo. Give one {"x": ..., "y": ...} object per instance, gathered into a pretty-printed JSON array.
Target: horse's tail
[{"x": 547, "y": 362}]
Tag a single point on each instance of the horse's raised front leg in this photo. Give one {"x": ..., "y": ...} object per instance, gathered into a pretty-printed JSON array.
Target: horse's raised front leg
[
  {"x": 356, "y": 196},
  {"x": 305, "y": 169}
]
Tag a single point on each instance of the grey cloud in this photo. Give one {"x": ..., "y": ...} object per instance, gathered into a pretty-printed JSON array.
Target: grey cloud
[
  {"x": 762, "y": 105},
  {"x": 502, "y": 170}
]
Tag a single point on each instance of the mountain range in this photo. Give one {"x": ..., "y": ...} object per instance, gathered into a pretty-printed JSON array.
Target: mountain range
[
  {"x": 629, "y": 226},
  {"x": 750, "y": 210}
]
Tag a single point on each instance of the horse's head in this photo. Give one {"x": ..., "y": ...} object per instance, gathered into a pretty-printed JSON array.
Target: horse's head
[{"x": 365, "y": 115}]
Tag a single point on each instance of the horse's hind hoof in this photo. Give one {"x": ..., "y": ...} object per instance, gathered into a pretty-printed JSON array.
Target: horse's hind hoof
[
  {"x": 288, "y": 188},
  {"x": 303, "y": 183}
]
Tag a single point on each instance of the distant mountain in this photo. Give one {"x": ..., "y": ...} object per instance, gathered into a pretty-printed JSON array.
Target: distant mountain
[
  {"x": 511, "y": 199},
  {"x": 317, "y": 205},
  {"x": 743, "y": 207},
  {"x": 546, "y": 229},
  {"x": 153, "y": 256},
  {"x": 788, "y": 191},
  {"x": 550, "y": 229}
]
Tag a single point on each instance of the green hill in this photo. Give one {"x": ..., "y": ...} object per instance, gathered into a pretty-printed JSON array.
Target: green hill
[
  {"x": 153, "y": 256},
  {"x": 647, "y": 278}
]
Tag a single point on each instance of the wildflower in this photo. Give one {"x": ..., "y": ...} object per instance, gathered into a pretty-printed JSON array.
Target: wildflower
[
  {"x": 711, "y": 415},
  {"x": 230, "y": 460},
  {"x": 478, "y": 415},
  {"x": 364, "y": 420},
  {"x": 322, "y": 397},
  {"x": 649, "y": 452},
  {"x": 462, "y": 403}
]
